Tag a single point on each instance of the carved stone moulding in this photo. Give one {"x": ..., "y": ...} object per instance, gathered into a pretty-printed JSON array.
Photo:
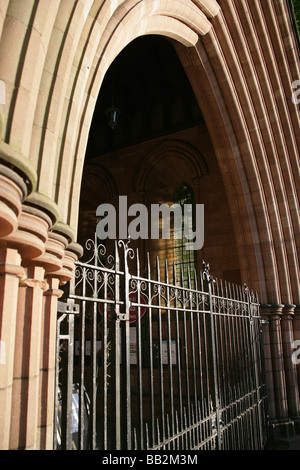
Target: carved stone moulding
[
  {"x": 62, "y": 233},
  {"x": 29, "y": 220},
  {"x": 12, "y": 192},
  {"x": 17, "y": 181}
]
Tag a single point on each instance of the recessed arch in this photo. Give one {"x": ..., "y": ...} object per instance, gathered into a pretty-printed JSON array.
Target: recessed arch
[
  {"x": 177, "y": 149},
  {"x": 101, "y": 180}
]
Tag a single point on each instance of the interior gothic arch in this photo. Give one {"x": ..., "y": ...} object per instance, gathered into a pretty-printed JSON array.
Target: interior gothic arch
[{"x": 178, "y": 149}]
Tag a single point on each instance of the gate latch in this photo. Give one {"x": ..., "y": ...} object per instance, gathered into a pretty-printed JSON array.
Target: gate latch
[{"x": 68, "y": 307}]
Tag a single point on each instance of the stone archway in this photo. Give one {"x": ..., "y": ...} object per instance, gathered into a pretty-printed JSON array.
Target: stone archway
[{"x": 241, "y": 58}]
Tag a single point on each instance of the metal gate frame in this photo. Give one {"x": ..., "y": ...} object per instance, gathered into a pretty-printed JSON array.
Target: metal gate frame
[{"x": 195, "y": 379}]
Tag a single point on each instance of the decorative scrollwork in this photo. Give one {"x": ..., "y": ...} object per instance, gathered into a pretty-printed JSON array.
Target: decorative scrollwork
[
  {"x": 133, "y": 285},
  {"x": 128, "y": 252},
  {"x": 98, "y": 254},
  {"x": 205, "y": 274}
]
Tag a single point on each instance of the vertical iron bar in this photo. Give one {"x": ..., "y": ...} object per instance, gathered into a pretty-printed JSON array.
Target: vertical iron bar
[
  {"x": 231, "y": 375},
  {"x": 227, "y": 367},
  {"x": 115, "y": 362},
  {"x": 254, "y": 356},
  {"x": 150, "y": 335},
  {"x": 205, "y": 338},
  {"x": 239, "y": 384},
  {"x": 169, "y": 353},
  {"x": 247, "y": 373},
  {"x": 218, "y": 314},
  {"x": 69, "y": 385},
  {"x": 82, "y": 347},
  {"x": 57, "y": 425},
  {"x": 214, "y": 359},
  {"x": 233, "y": 388},
  {"x": 193, "y": 352},
  {"x": 262, "y": 397},
  {"x": 80, "y": 413},
  {"x": 200, "y": 403},
  {"x": 139, "y": 357},
  {"x": 178, "y": 353},
  {"x": 161, "y": 371},
  {"x": 249, "y": 368},
  {"x": 94, "y": 374},
  {"x": 125, "y": 342},
  {"x": 105, "y": 358},
  {"x": 185, "y": 349},
  {"x": 242, "y": 379},
  {"x": 93, "y": 352}
]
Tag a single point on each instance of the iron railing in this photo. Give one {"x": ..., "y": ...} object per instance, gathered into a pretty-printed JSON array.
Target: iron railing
[{"x": 145, "y": 362}]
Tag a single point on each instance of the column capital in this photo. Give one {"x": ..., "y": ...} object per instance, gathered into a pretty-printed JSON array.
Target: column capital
[
  {"x": 72, "y": 253},
  {"x": 20, "y": 165},
  {"x": 297, "y": 309},
  {"x": 31, "y": 235},
  {"x": 289, "y": 311},
  {"x": 34, "y": 283},
  {"x": 12, "y": 192},
  {"x": 10, "y": 262},
  {"x": 17, "y": 181},
  {"x": 272, "y": 311},
  {"x": 66, "y": 250}
]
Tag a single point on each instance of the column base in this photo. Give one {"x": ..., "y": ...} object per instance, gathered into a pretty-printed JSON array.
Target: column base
[{"x": 284, "y": 435}]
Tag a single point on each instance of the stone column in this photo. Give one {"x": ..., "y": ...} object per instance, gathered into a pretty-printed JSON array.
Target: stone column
[
  {"x": 281, "y": 420},
  {"x": 12, "y": 192},
  {"x": 47, "y": 365},
  {"x": 29, "y": 239},
  {"x": 35, "y": 260},
  {"x": 267, "y": 349},
  {"x": 25, "y": 403},
  {"x": 58, "y": 260},
  {"x": 52, "y": 262},
  {"x": 296, "y": 349},
  {"x": 10, "y": 274},
  {"x": 290, "y": 367},
  {"x": 14, "y": 187}
]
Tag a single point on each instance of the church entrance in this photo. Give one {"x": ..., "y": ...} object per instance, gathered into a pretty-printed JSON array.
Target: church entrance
[{"x": 149, "y": 363}]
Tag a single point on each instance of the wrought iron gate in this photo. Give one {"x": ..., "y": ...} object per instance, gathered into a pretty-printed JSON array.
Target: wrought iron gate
[{"x": 145, "y": 362}]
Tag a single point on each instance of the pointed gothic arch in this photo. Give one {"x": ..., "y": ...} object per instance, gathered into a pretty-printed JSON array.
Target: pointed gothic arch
[{"x": 179, "y": 150}]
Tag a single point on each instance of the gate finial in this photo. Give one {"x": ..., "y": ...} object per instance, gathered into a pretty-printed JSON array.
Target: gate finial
[{"x": 206, "y": 276}]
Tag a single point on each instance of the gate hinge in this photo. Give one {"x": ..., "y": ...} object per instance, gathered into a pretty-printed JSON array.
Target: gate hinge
[{"x": 68, "y": 307}]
